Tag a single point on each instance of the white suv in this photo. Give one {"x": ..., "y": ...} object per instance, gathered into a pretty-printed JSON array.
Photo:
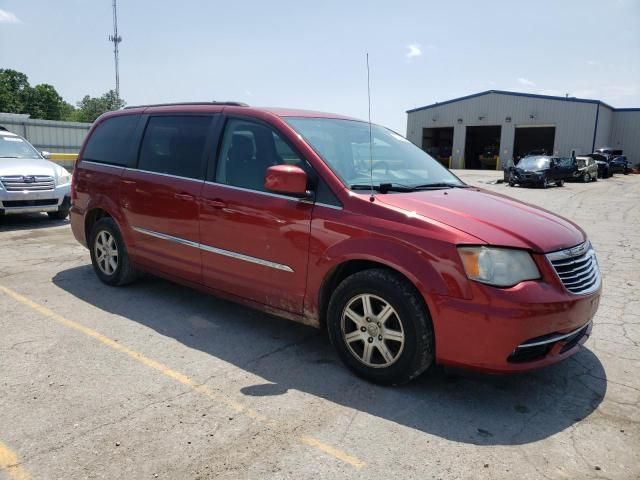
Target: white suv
[{"x": 30, "y": 183}]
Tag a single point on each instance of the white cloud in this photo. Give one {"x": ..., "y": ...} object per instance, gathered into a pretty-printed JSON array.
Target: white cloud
[
  {"x": 414, "y": 51},
  {"x": 592, "y": 63},
  {"x": 8, "y": 17},
  {"x": 525, "y": 81}
]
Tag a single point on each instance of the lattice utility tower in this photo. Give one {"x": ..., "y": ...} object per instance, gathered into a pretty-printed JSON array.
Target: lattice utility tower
[{"x": 116, "y": 39}]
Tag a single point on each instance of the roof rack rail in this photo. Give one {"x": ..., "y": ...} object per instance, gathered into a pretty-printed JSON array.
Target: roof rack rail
[{"x": 229, "y": 104}]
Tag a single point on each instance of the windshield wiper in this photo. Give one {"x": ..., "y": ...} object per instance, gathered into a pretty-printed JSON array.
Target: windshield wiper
[
  {"x": 436, "y": 185},
  {"x": 398, "y": 187},
  {"x": 383, "y": 187}
]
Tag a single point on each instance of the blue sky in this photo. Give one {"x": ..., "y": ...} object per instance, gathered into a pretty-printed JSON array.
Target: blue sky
[{"x": 312, "y": 54}]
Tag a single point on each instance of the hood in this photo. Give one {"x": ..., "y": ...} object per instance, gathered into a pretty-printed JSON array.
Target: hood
[
  {"x": 524, "y": 170},
  {"x": 493, "y": 218},
  {"x": 26, "y": 166}
]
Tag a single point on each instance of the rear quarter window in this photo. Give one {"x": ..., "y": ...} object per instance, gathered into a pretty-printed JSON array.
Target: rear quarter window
[{"x": 111, "y": 141}]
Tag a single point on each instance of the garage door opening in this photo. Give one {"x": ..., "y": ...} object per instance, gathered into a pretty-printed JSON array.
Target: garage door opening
[
  {"x": 533, "y": 140},
  {"x": 482, "y": 147},
  {"x": 438, "y": 143}
]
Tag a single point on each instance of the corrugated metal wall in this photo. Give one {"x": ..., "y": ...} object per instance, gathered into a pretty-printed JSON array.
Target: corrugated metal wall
[
  {"x": 49, "y": 135},
  {"x": 574, "y": 121},
  {"x": 603, "y": 132},
  {"x": 625, "y": 133}
]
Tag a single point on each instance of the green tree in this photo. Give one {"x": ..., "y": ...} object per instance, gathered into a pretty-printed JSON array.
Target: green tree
[
  {"x": 68, "y": 112},
  {"x": 43, "y": 101},
  {"x": 90, "y": 108},
  {"x": 14, "y": 90}
]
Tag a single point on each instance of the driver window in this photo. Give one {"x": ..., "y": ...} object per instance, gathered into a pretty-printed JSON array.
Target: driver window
[{"x": 248, "y": 149}]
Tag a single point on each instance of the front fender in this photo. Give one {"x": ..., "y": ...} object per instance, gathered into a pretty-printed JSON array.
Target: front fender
[{"x": 434, "y": 270}]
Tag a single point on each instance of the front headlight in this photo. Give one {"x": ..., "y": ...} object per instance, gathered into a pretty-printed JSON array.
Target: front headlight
[
  {"x": 64, "y": 177},
  {"x": 501, "y": 267}
]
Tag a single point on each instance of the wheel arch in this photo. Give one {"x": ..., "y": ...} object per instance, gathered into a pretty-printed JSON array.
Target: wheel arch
[
  {"x": 338, "y": 273},
  {"x": 91, "y": 218}
]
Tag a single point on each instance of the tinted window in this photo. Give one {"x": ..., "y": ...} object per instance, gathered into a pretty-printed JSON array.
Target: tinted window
[
  {"x": 248, "y": 149},
  {"x": 325, "y": 195},
  {"x": 111, "y": 140},
  {"x": 175, "y": 145}
]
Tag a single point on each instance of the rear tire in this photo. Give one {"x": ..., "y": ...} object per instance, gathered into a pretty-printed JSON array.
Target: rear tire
[
  {"x": 109, "y": 254},
  {"x": 396, "y": 344},
  {"x": 560, "y": 183},
  {"x": 586, "y": 178}
]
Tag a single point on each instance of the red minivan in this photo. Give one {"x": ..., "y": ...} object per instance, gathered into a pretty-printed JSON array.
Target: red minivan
[{"x": 338, "y": 224}]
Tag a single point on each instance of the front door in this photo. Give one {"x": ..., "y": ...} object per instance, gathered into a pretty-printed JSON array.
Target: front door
[
  {"x": 255, "y": 244},
  {"x": 160, "y": 197}
]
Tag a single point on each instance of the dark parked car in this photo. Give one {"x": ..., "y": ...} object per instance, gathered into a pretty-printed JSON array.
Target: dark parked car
[
  {"x": 542, "y": 171},
  {"x": 620, "y": 164},
  {"x": 604, "y": 171},
  {"x": 587, "y": 169}
]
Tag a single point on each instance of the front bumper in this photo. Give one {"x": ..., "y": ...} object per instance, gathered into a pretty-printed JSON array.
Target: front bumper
[
  {"x": 527, "y": 180},
  {"x": 35, "y": 201},
  {"x": 529, "y": 326}
]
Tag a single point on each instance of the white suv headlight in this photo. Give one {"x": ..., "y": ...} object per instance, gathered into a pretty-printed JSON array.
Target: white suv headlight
[
  {"x": 64, "y": 177},
  {"x": 501, "y": 267}
]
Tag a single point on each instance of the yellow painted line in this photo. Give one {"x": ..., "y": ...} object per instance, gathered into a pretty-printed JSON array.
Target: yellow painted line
[
  {"x": 237, "y": 407},
  {"x": 10, "y": 465},
  {"x": 334, "y": 452}
]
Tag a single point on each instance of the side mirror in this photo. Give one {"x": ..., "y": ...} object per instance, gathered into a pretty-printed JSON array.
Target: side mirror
[
  {"x": 45, "y": 154},
  {"x": 286, "y": 179}
]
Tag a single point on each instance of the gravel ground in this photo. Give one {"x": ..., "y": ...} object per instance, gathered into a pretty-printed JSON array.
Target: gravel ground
[{"x": 158, "y": 381}]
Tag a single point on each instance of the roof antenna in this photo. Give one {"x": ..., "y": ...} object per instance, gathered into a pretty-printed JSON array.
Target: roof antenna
[{"x": 372, "y": 197}]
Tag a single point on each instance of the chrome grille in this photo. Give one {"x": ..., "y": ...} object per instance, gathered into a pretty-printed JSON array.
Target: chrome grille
[
  {"x": 577, "y": 268},
  {"x": 30, "y": 183}
]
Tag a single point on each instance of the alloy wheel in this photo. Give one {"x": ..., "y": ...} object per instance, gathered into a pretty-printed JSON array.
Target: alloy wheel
[
  {"x": 106, "y": 251},
  {"x": 372, "y": 331}
]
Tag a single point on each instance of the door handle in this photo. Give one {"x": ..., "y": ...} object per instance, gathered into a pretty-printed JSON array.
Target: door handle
[
  {"x": 184, "y": 196},
  {"x": 214, "y": 203}
]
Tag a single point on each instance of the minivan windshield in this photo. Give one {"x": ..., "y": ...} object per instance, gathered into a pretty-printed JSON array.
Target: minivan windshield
[
  {"x": 394, "y": 163},
  {"x": 16, "y": 147},
  {"x": 534, "y": 163}
]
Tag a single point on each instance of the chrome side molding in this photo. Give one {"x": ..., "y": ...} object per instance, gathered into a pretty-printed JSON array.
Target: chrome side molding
[{"x": 218, "y": 251}]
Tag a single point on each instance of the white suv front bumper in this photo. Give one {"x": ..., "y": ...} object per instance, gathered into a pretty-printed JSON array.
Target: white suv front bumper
[{"x": 35, "y": 201}]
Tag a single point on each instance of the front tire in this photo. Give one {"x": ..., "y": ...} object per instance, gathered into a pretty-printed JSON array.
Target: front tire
[
  {"x": 59, "y": 215},
  {"x": 380, "y": 327},
  {"x": 560, "y": 183},
  {"x": 109, "y": 254},
  {"x": 586, "y": 178}
]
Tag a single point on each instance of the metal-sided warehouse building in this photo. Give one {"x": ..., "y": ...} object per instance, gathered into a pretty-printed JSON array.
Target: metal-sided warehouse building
[{"x": 490, "y": 129}]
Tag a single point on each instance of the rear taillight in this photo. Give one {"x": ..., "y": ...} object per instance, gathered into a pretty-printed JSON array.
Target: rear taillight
[{"x": 74, "y": 194}]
